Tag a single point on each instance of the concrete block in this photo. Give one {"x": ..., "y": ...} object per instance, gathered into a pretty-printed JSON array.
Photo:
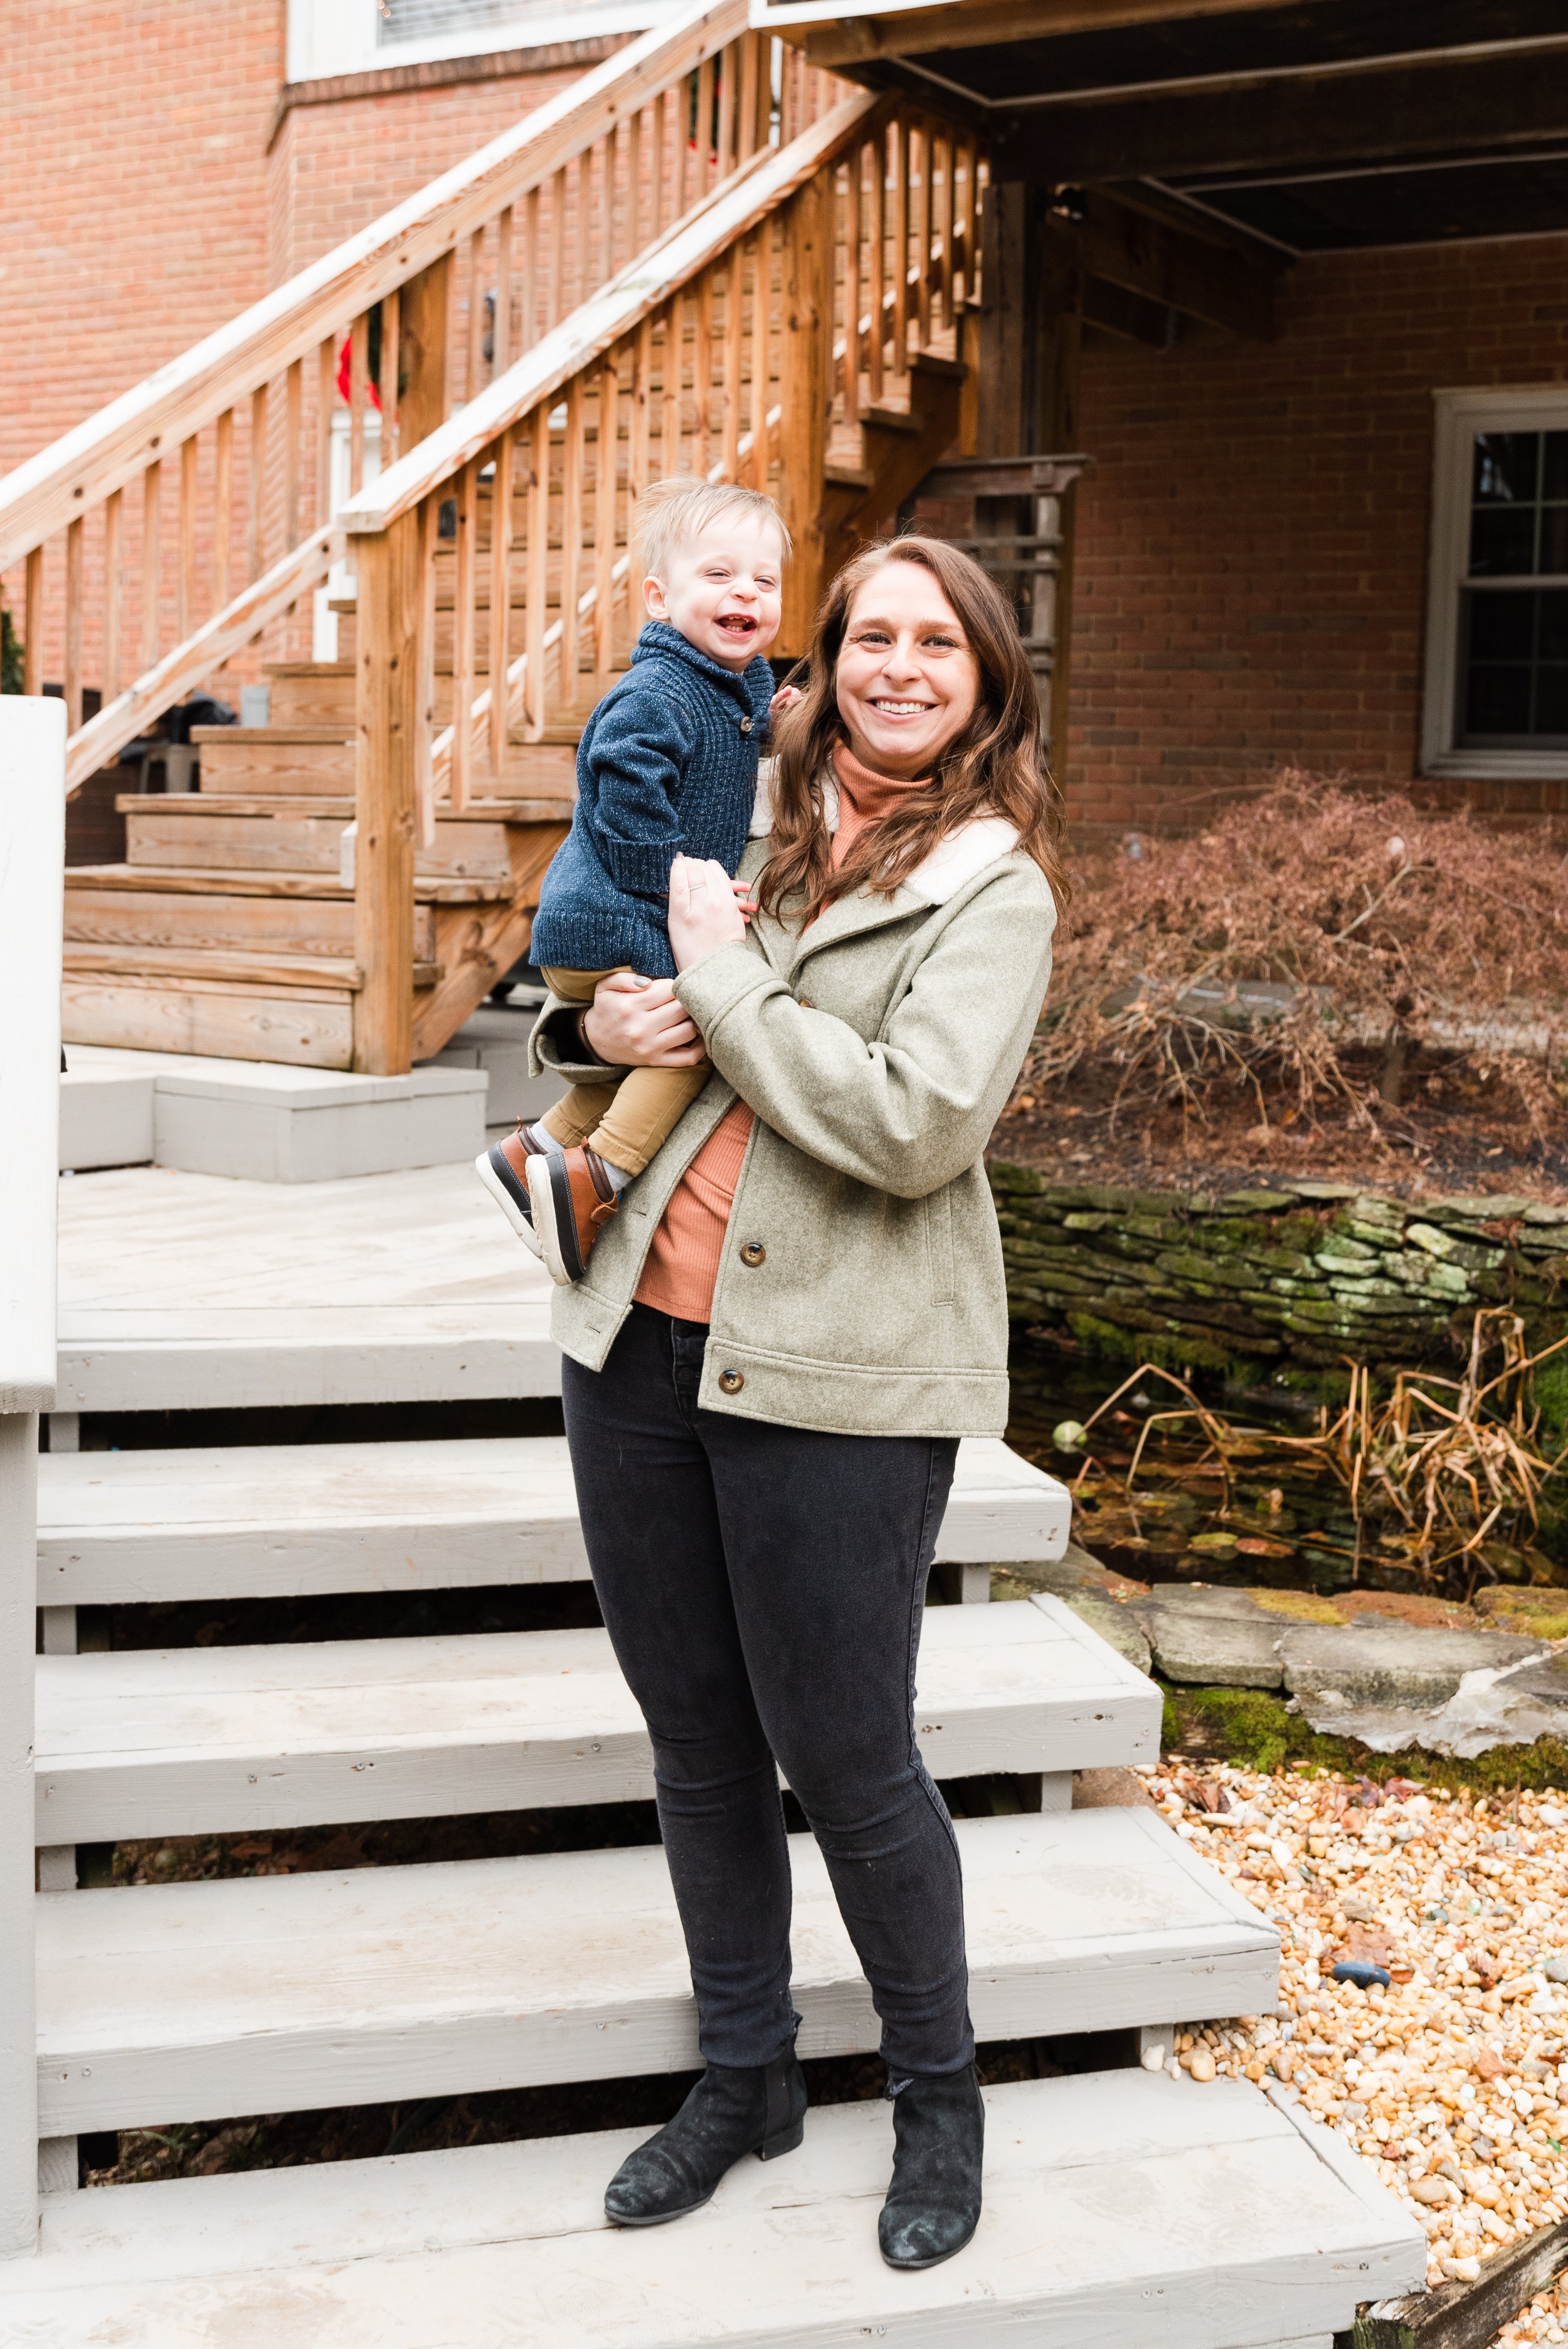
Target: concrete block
[
  {"x": 1391, "y": 1663},
  {"x": 106, "y": 1117},
  {"x": 495, "y": 1039}
]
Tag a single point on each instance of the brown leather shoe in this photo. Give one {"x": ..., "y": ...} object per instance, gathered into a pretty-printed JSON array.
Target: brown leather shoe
[
  {"x": 503, "y": 1171},
  {"x": 573, "y": 1199}
]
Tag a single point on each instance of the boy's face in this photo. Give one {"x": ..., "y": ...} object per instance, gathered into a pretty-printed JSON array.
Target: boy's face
[{"x": 723, "y": 589}]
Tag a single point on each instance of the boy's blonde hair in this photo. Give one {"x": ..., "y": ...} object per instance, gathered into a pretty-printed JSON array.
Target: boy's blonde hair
[{"x": 670, "y": 512}]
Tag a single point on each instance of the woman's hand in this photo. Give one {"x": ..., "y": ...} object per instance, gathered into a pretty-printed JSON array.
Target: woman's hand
[
  {"x": 636, "y": 1024},
  {"x": 705, "y": 910}
]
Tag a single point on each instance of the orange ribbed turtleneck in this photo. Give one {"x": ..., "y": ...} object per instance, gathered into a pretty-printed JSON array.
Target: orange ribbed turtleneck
[{"x": 682, "y": 1263}]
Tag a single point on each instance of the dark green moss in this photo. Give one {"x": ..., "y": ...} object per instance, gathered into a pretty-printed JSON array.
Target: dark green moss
[{"x": 1253, "y": 1730}]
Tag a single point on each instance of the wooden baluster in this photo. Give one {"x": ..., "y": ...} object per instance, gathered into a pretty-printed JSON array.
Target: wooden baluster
[
  {"x": 528, "y": 290},
  {"x": 921, "y": 201},
  {"x": 463, "y": 571},
  {"x": 728, "y": 92},
  {"x": 293, "y": 434},
  {"x": 746, "y": 140},
  {"x": 325, "y": 394},
  {"x": 976, "y": 284},
  {"x": 500, "y": 348},
  {"x": 256, "y": 536},
  {"x": 762, "y": 352},
  {"x": 876, "y": 290},
  {"x": 386, "y": 380},
  {"x": 635, "y": 185},
  {"x": 806, "y": 312},
  {"x": 33, "y": 625},
  {"x": 663, "y": 116},
  {"x": 151, "y": 515},
  {"x": 962, "y": 221},
  {"x": 900, "y": 249},
  {"x": 500, "y": 604},
  {"x": 639, "y": 431},
  {"x": 186, "y": 581},
  {"x": 854, "y": 174},
  {"x": 607, "y": 467},
  {"x": 75, "y": 537},
  {"x": 944, "y": 228},
  {"x": 358, "y": 377},
  {"x": 702, "y": 157},
  {"x": 538, "y": 446},
  {"x": 733, "y": 356},
  {"x": 670, "y": 416},
  {"x": 702, "y": 374},
  {"x": 557, "y": 310},
  {"x": 114, "y": 592},
  {"x": 570, "y": 544},
  {"x": 424, "y": 668},
  {"x": 584, "y": 175},
  {"x": 386, "y": 796},
  {"x": 474, "y": 359}
]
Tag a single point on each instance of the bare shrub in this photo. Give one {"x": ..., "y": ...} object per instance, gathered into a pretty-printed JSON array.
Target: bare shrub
[{"x": 1309, "y": 947}]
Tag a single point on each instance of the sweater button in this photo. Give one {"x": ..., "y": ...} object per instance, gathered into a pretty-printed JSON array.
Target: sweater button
[
  {"x": 753, "y": 1252},
  {"x": 730, "y": 1382},
  {"x": 746, "y": 725}
]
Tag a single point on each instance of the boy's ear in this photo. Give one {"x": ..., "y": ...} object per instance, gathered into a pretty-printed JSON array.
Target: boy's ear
[{"x": 654, "y": 601}]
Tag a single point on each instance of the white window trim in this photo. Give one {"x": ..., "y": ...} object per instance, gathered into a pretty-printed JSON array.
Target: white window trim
[
  {"x": 327, "y": 38},
  {"x": 1529, "y": 407}
]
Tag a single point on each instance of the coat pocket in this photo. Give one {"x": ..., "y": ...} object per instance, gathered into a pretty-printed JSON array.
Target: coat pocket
[{"x": 939, "y": 1245}]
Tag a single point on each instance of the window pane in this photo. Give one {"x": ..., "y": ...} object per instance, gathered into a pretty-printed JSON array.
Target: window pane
[
  {"x": 1553, "y": 645},
  {"x": 1554, "y": 473},
  {"x": 1553, "y": 538},
  {"x": 1502, "y": 626},
  {"x": 1498, "y": 701},
  {"x": 1505, "y": 466},
  {"x": 1502, "y": 540},
  {"x": 1551, "y": 701}
]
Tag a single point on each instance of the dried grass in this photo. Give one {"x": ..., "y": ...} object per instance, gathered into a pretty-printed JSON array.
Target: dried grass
[{"x": 1317, "y": 947}]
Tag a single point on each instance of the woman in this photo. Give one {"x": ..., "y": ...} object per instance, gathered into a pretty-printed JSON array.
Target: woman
[{"x": 782, "y": 1337}]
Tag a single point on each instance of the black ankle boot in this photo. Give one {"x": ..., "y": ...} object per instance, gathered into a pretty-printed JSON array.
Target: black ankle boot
[
  {"x": 933, "y": 2205},
  {"x": 732, "y": 2111}
]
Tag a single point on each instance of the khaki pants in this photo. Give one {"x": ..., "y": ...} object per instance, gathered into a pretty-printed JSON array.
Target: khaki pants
[{"x": 624, "y": 1123}]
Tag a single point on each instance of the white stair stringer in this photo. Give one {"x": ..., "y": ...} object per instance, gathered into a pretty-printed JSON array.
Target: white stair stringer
[
  {"x": 194, "y": 1741},
  {"x": 266, "y": 1521},
  {"x": 202, "y": 2001},
  {"x": 1121, "y": 2208}
]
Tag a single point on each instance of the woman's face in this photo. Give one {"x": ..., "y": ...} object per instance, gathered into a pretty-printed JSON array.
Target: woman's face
[{"x": 907, "y": 680}]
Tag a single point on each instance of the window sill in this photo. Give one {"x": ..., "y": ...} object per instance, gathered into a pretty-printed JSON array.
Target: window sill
[{"x": 1499, "y": 766}]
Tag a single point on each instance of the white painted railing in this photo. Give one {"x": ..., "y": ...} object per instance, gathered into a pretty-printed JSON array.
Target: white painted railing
[{"x": 32, "y": 862}]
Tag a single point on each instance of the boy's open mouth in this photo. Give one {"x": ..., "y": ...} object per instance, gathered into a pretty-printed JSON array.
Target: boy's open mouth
[{"x": 738, "y": 623}]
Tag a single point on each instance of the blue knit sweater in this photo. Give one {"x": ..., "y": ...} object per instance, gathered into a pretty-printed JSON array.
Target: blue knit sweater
[{"x": 666, "y": 767}]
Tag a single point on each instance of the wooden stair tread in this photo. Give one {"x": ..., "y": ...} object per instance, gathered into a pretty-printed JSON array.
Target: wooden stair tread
[
  {"x": 217, "y": 881},
  {"x": 199, "y": 1740},
  {"x": 193, "y": 2000},
  {"x": 259, "y": 1520},
  {"x": 262, "y": 966},
  {"x": 335, "y": 737},
  {"x": 194, "y": 805},
  {"x": 309, "y": 668},
  {"x": 1094, "y": 2186}
]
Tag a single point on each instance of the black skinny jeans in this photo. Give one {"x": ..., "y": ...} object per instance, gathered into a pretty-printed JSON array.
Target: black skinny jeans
[{"x": 763, "y": 1589}]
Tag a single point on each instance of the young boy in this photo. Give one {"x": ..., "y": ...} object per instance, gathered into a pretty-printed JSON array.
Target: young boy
[{"x": 666, "y": 768}]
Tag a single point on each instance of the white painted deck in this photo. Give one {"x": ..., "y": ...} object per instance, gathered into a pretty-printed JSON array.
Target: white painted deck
[
  {"x": 188, "y": 2001},
  {"x": 210, "y": 1740},
  {"x": 263, "y": 1521},
  {"x": 183, "y": 1292},
  {"x": 1121, "y": 2209}
]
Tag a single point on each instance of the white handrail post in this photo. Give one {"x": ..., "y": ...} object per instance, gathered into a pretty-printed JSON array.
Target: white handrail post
[{"x": 32, "y": 894}]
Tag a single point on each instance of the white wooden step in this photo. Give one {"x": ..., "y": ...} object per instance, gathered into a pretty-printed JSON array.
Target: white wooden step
[
  {"x": 189, "y": 2001},
  {"x": 211, "y": 1740},
  {"x": 186, "y": 1292},
  {"x": 263, "y": 1521},
  {"x": 1121, "y": 2209}
]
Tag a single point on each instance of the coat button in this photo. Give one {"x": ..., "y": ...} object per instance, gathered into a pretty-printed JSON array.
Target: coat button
[
  {"x": 746, "y": 725},
  {"x": 753, "y": 1252},
  {"x": 730, "y": 1382}
]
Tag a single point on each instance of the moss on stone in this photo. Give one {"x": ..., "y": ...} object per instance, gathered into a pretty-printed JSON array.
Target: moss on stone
[
  {"x": 1253, "y": 1729},
  {"x": 1301, "y": 1606}
]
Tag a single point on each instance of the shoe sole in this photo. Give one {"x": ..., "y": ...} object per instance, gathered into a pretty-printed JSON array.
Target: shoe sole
[
  {"x": 769, "y": 2150},
  {"x": 502, "y": 1185},
  {"x": 554, "y": 1225}
]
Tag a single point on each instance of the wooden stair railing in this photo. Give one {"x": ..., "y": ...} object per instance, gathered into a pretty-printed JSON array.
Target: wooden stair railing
[
  {"x": 122, "y": 545},
  {"x": 804, "y": 332}
]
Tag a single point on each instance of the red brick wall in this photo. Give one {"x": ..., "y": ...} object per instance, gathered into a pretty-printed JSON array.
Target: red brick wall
[{"x": 1251, "y": 544}]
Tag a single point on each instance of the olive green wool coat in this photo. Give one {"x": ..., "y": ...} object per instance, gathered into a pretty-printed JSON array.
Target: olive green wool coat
[{"x": 861, "y": 1289}]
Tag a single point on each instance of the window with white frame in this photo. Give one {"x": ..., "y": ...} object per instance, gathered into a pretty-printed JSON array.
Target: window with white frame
[
  {"x": 1496, "y": 640},
  {"x": 329, "y": 38}
]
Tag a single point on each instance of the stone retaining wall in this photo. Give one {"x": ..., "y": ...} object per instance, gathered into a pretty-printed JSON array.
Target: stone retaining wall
[{"x": 1296, "y": 1277}]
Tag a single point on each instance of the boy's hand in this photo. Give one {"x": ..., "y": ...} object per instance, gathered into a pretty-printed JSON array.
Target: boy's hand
[
  {"x": 703, "y": 913},
  {"x": 744, "y": 898},
  {"x": 785, "y": 699}
]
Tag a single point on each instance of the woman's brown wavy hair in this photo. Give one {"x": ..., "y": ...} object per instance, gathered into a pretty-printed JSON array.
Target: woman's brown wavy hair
[{"x": 995, "y": 766}]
